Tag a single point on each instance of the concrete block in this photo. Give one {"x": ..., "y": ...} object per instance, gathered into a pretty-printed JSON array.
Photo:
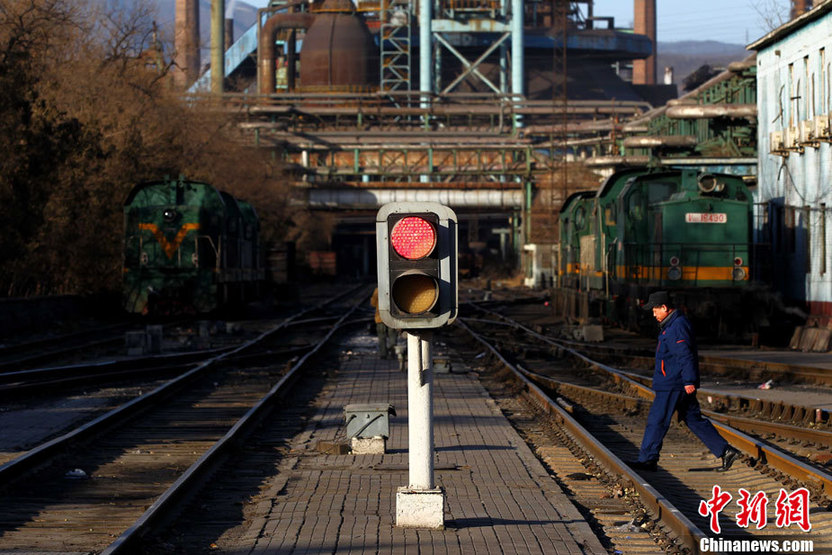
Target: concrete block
[
  {"x": 794, "y": 344},
  {"x": 135, "y": 342},
  {"x": 332, "y": 448},
  {"x": 423, "y": 509},
  {"x": 822, "y": 341},
  {"x": 441, "y": 366},
  {"x": 368, "y": 445},
  {"x": 807, "y": 339},
  {"x": 593, "y": 333},
  {"x": 154, "y": 339}
]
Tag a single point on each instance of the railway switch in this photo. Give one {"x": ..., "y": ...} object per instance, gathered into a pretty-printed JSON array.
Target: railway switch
[{"x": 417, "y": 265}]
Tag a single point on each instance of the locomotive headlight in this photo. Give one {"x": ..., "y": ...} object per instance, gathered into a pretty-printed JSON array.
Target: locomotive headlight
[
  {"x": 674, "y": 272},
  {"x": 169, "y": 214},
  {"x": 739, "y": 272}
]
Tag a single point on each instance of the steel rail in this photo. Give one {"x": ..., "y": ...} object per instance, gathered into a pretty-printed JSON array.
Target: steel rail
[
  {"x": 730, "y": 426},
  {"x": 754, "y": 448},
  {"x": 42, "y": 452},
  {"x": 817, "y": 415},
  {"x": 582, "y": 390},
  {"x": 71, "y": 370},
  {"x": 8, "y": 350},
  {"x": 129, "y": 538},
  {"x": 685, "y": 530},
  {"x": 49, "y": 355}
]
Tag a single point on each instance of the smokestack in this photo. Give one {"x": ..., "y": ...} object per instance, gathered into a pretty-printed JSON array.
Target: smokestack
[
  {"x": 229, "y": 33},
  {"x": 644, "y": 23},
  {"x": 217, "y": 45},
  {"x": 186, "y": 42},
  {"x": 800, "y": 7}
]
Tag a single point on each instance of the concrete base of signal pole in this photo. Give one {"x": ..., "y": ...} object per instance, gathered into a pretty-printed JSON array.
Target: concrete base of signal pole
[
  {"x": 421, "y": 504},
  {"x": 423, "y": 509}
]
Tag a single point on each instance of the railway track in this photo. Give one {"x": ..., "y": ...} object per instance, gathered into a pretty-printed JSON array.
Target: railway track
[
  {"x": 603, "y": 418},
  {"x": 638, "y": 367},
  {"x": 102, "y": 485},
  {"x": 28, "y": 354}
]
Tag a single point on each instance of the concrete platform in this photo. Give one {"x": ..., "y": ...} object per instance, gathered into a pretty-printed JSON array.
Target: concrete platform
[
  {"x": 808, "y": 395},
  {"x": 498, "y": 497}
]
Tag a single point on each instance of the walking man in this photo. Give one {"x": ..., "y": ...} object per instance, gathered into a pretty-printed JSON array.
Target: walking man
[
  {"x": 387, "y": 336},
  {"x": 675, "y": 381}
]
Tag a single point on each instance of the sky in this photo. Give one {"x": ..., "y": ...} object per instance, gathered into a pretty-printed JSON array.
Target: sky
[{"x": 731, "y": 21}]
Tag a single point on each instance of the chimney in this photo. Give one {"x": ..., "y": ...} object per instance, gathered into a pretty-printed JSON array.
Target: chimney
[
  {"x": 186, "y": 42},
  {"x": 229, "y": 33},
  {"x": 799, "y": 7},
  {"x": 644, "y": 23}
]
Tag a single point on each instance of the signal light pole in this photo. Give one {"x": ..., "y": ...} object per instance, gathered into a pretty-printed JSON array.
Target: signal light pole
[{"x": 417, "y": 292}]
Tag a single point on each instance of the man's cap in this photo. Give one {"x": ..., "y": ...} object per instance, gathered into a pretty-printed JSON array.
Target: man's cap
[{"x": 658, "y": 298}]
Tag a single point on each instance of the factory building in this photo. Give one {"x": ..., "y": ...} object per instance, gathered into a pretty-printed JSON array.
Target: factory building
[{"x": 794, "y": 194}]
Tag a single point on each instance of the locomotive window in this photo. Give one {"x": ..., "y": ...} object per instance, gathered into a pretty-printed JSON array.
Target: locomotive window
[
  {"x": 634, "y": 205},
  {"x": 580, "y": 217},
  {"x": 659, "y": 192}
]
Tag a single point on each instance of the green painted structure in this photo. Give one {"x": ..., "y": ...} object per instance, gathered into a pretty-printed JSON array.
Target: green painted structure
[
  {"x": 683, "y": 231},
  {"x": 188, "y": 249}
]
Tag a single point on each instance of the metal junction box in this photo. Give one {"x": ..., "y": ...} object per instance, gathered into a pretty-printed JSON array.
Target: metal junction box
[{"x": 369, "y": 420}]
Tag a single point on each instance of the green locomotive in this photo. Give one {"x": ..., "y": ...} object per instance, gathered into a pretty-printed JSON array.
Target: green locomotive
[
  {"x": 188, "y": 249},
  {"x": 643, "y": 230}
]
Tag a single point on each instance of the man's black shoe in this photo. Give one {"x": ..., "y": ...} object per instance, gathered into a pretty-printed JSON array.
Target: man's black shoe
[
  {"x": 728, "y": 458},
  {"x": 650, "y": 466}
]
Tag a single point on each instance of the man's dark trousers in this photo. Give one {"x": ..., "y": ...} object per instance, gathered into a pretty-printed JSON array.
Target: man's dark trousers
[{"x": 660, "y": 417}]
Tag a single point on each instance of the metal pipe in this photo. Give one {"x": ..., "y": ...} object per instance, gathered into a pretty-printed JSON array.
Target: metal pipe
[
  {"x": 425, "y": 61},
  {"x": 266, "y": 49},
  {"x": 660, "y": 140},
  {"x": 712, "y": 111},
  {"x": 425, "y": 47},
  {"x": 369, "y": 198},
  {"x": 517, "y": 45}
]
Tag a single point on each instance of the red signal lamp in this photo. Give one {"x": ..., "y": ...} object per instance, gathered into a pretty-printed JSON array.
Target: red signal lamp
[{"x": 413, "y": 238}]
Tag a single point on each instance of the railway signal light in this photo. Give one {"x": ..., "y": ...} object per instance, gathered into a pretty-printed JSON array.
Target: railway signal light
[{"x": 417, "y": 265}]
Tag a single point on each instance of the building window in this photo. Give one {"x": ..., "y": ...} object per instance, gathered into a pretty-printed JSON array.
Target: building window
[
  {"x": 807, "y": 94},
  {"x": 789, "y": 229},
  {"x": 823, "y": 105},
  {"x": 792, "y": 95},
  {"x": 822, "y": 235},
  {"x": 807, "y": 238}
]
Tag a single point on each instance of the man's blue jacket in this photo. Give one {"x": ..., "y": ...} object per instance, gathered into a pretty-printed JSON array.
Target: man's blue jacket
[{"x": 677, "y": 361}]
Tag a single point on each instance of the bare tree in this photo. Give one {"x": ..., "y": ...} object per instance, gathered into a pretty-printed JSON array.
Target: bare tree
[
  {"x": 772, "y": 13},
  {"x": 87, "y": 109}
]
